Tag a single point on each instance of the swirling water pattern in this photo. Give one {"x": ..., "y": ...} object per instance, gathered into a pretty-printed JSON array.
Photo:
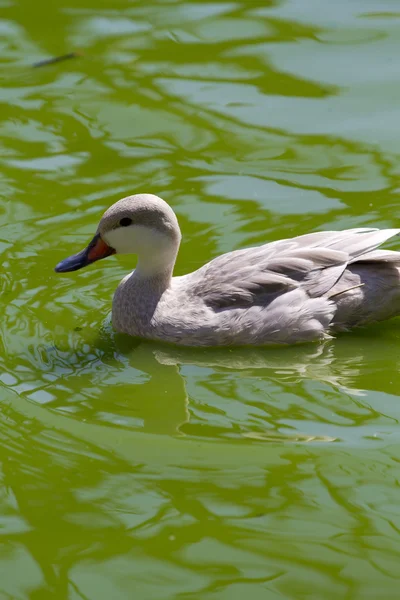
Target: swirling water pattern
[{"x": 135, "y": 469}]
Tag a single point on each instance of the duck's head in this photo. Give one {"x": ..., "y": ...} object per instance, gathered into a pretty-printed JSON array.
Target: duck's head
[{"x": 142, "y": 224}]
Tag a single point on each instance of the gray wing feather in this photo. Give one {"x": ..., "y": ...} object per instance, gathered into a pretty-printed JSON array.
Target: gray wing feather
[
  {"x": 386, "y": 256},
  {"x": 315, "y": 262}
]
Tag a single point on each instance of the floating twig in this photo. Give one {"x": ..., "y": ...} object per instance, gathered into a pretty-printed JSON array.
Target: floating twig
[{"x": 56, "y": 59}]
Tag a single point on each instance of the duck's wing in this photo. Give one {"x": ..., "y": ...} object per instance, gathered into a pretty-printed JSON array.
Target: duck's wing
[{"x": 315, "y": 262}]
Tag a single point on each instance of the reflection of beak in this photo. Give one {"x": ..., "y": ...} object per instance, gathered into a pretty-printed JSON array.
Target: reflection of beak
[{"x": 96, "y": 250}]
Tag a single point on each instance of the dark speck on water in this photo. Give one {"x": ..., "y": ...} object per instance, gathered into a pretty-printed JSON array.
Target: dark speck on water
[{"x": 56, "y": 59}]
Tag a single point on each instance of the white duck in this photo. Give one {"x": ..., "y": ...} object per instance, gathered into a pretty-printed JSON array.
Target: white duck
[{"x": 294, "y": 290}]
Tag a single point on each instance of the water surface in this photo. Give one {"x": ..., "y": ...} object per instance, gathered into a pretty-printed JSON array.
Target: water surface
[{"x": 136, "y": 469}]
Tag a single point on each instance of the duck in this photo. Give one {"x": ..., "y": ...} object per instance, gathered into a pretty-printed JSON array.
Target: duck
[{"x": 296, "y": 290}]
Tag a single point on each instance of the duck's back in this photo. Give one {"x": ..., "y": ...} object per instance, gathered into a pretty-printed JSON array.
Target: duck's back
[{"x": 296, "y": 290}]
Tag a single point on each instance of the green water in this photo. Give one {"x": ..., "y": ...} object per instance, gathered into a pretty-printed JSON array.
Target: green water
[{"x": 135, "y": 470}]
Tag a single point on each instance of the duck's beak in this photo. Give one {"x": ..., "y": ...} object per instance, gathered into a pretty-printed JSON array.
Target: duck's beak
[{"x": 96, "y": 250}]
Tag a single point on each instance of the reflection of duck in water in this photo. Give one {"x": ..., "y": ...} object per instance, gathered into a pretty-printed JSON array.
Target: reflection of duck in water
[
  {"x": 347, "y": 382},
  {"x": 288, "y": 291},
  {"x": 351, "y": 364}
]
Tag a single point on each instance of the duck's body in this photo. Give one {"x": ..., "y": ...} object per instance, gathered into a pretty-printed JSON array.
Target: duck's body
[{"x": 289, "y": 291}]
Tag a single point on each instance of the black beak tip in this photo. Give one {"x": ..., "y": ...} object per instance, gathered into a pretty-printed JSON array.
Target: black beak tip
[
  {"x": 59, "y": 268},
  {"x": 73, "y": 263}
]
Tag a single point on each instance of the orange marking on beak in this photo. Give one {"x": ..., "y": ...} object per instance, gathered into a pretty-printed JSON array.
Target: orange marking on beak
[{"x": 99, "y": 250}]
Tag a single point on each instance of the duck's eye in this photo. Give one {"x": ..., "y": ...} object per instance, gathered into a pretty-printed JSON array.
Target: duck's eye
[{"x": 125, "y": 222}]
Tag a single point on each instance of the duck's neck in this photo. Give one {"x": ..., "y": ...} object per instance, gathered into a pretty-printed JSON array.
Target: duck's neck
[
  {"x": 154, "y": 271},
  {"x": 137, "y": 297}
]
